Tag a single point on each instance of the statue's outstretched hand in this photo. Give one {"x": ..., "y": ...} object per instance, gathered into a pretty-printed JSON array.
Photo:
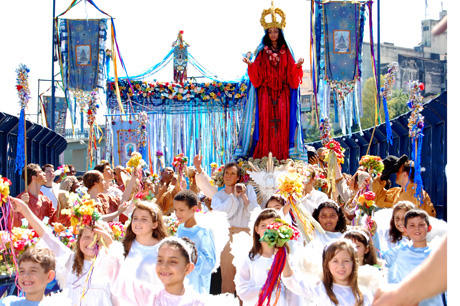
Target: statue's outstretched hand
[
  {"x": 300, "y": 62},
  {"x": 246, "y": 60}
]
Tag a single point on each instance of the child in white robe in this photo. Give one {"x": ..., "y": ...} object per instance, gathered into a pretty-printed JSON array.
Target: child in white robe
[
  {"x": 252, "y": 270},
  {"x": 80, "y": 273},
  {"x": 339, "y": 284},
  {"x": 140, "y": 243}
]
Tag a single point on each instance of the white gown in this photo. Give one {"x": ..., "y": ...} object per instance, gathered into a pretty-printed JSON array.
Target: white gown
[
  {"x": 96, "y": 289},
  {"x": 315, "y": 293},
  {"x": 250, "y": 278},
  {"x": 137, "y": 268}
]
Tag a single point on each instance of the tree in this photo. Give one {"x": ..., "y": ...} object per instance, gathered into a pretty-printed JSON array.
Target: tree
[
  {"x": 397, "y": 105},
  {"x": 368, "y": 100}
]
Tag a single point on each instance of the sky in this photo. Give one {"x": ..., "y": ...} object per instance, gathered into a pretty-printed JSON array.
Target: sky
[{"x": 219, "y": 32}]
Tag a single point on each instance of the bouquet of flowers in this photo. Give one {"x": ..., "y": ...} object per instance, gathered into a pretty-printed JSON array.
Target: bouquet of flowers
[
  {"x": 13, "y": 244},
  {"x": 278, "y": 233},
  {"x": 180, "y": 162},
  {"x": 136, "y": 161},
  {"x": 334, "y": 146},
  {"x": 84, "y": 213},
  {"x": 4, "y": 189},
  {"x": 118, "y": 230},
  {"x": 171, "y": 223},
  {"x": 366, "y": 202},
  {"x": 291, "y": 185},
  {"x": 372, "y": 164}
]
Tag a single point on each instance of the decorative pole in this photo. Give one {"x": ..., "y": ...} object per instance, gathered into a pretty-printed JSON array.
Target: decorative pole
[
  {"x": 53, "y": 88},
  {"x": 22, "y": 85}
]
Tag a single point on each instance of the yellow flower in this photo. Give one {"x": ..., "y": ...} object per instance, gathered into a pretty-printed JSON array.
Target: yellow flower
[
  {"x": 74, "y": 221},
  {"x": 86, "y": 210}
]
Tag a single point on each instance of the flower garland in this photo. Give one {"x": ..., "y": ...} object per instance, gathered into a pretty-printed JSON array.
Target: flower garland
[
  {"x": 372, "y": 164},
  {"x": 91, "y": 118},
  {"x": 342, "y": 89},
  {"x": 277, "y": 235},
  {"x": 416, "y": 124},
  {"x": 213, "y": 91},
  {"x": 180, "y": 162},
  {"x": 142, "y": 131},
  {"x": 82, "y": 98},
  {"x": 388, "y": 81},
  {"x": 22, "y": 85}
]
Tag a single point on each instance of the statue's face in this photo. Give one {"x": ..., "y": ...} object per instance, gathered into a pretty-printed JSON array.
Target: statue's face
[{"x": 273, "y": 34}]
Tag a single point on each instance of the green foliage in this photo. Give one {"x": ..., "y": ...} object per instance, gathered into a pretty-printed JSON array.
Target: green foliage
[{"x": 398, "y": 103}]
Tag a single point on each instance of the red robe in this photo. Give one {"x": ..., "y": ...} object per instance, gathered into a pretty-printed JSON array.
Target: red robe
[
  {"x": 273, "y": 74},
  {"x": 42, "y": 207}
]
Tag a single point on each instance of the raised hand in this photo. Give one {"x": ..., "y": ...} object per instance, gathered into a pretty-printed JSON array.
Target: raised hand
[
  {"x": 197, "y": 163},
  {"x": 247, "y": 61},
  {"x": 300, "y": 62}
]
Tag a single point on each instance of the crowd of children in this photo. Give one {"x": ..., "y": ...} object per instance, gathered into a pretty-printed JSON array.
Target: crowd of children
[{"x": 189, "y": 241}]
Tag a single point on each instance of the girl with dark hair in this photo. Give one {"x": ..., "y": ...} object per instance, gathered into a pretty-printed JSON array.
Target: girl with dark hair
[
  {"x": 176, "y": 260},
  {"x": 390, "y": 226},
  {"x": 140, "y": 245},
  {"x": 252, "y": 273},
  {"x": 339, "y": 284},
  {"x": 364, "y": 245},
  {"x": 333, "y": 222},
  {"x": 330, "y": 216},
  {"x": 74, "y": 268}
]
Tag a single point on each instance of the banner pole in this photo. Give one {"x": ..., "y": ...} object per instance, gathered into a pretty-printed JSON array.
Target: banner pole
[{"x": 53, "y": 88}]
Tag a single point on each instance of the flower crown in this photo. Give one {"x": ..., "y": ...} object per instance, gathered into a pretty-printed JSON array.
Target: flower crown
[{"x": 274, "y": 23}]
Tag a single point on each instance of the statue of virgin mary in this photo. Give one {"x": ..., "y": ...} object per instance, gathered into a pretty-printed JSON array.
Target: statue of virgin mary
[{"x": 271, "y": 116}]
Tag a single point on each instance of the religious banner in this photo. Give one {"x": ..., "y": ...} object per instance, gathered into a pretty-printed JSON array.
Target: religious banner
[
  {"x": 60, "y": 112},
  {"x": 341, "y": 37},
  {"x": 336, "y": 38},
  {"x": 125, "y": 140},
  {"x": 83, "y": 53}
]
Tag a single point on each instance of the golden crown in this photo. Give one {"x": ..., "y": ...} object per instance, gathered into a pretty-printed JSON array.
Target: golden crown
[{"x": 274, "y": 23}]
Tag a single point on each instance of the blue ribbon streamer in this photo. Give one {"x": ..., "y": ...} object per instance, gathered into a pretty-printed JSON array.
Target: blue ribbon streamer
[
  {"x": 387, "y": 121},
  {"x": 20, "y": 153}
]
